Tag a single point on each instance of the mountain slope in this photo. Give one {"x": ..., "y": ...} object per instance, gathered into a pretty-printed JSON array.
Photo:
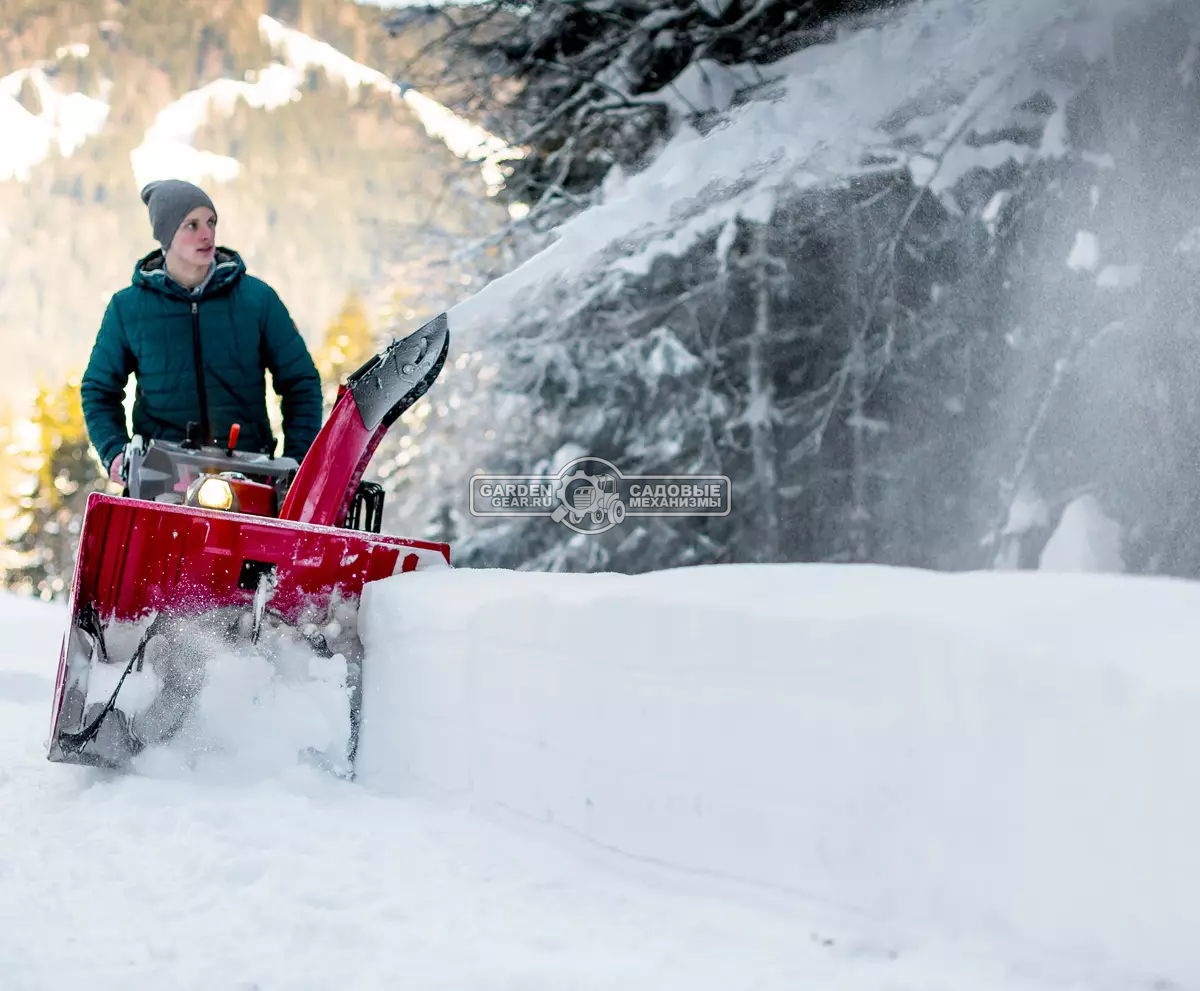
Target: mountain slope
[{"x": 322, "y": 184}]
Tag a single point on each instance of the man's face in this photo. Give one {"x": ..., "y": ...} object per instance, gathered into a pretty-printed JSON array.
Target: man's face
[{"x": 195, "y": 241}]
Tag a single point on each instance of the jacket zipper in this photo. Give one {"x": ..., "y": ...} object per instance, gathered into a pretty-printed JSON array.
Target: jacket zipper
[{"x": 198, "y": 353}]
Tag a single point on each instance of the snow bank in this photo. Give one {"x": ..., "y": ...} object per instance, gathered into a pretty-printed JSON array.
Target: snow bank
[
  {"x": 303, "y": 883},
  {"x": 1010, "y": 757}
]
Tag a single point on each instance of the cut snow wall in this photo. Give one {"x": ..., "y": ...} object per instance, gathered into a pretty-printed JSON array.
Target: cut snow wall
[{"x": 1010, "y": 757}]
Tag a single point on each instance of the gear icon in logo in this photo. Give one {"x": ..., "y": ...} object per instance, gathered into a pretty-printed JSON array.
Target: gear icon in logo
[{"x": 594, "y": 497}]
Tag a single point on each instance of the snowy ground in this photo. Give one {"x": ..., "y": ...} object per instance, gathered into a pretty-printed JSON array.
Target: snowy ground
[{"x": 723, "y": 778}]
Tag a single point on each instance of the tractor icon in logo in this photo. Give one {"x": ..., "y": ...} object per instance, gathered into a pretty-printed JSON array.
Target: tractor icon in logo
[
  {"x": 596, "y": 498},
  {"x": 591, "y": 496}
]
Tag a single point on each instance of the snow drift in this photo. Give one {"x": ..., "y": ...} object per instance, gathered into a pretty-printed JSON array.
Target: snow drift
[
  {"x": 1007, "y": 757},
  {"x": 810, "y": 776}
]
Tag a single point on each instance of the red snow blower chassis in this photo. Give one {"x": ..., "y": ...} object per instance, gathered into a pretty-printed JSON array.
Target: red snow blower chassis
[{"x": 233, "y": 539}]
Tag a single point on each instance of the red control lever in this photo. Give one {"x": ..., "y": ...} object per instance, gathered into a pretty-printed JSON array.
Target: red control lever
[{"x": 233, "y": 436}]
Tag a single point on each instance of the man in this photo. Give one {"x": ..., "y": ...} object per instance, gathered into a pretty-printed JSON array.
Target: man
[{"x": 200, "y": 334}]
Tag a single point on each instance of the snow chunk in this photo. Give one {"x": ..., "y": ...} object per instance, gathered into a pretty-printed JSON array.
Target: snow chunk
[
  {"x": 666, "y": 357},
  {"x": 138, "y": 690},
  {"x": 922, "y": 168},
  {"x": 568, "y": 452},
  {"x": 1085, "y": 253},
  {"x": 1119, "y": 276},
  {"x": 1086, "y": 540},
  {"x": 1186, "y": 70},
  {"x": 992, "y": 211},
  {"x": 1055, "y": 141},
  {"x": 1189, "y": 244},
  {"x": 706, "y": 86},
  {"x": 1027, "y": 512},
  {"x": 1100, "y": 161},
  {"x": 714, "y": 8}
]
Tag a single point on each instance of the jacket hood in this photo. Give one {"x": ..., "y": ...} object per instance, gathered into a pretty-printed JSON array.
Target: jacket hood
[{"x": 150, "y": 273}]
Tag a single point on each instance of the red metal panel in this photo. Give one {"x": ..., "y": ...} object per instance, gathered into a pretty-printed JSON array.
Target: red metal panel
[
  {"x": 328, "y": 476},
  {"x": 141, "y": 556},
  {"x": 137, "y": 557},
  {"x": 254, "y": 498}
]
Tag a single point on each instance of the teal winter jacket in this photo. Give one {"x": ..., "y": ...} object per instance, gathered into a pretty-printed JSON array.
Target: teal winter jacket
[{"x": 234, "y": 327}]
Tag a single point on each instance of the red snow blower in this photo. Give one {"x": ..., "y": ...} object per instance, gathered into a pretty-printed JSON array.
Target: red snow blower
[{"x": 212, "y": 549}]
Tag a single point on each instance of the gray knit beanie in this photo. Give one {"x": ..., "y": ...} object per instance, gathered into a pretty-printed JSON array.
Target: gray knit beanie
[{"x": 170, "y": 201}]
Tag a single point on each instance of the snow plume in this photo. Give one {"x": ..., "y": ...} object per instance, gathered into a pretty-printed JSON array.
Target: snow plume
[
  {"x": 216, "y": 706},
  {"x": 262, "y": 712},
  {"x": 62, "y": 122},
  {"x": 1050, "y": 145},
  {"x": 1099, "y": 319}
]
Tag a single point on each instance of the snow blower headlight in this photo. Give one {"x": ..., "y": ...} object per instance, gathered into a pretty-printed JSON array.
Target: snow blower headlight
[{"x": 212, "y": 492}]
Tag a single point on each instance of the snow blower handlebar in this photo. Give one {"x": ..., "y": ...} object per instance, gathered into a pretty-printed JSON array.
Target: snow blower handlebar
[{"x": 372, "y": 400}]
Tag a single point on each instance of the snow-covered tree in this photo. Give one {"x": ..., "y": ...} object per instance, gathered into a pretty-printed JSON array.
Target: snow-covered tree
[
  {"x": 934, "y": 356},
  {"x": 587, "y": 85}
]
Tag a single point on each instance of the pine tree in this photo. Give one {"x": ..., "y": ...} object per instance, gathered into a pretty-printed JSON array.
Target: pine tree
[{"x": 61, "y": 470}]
